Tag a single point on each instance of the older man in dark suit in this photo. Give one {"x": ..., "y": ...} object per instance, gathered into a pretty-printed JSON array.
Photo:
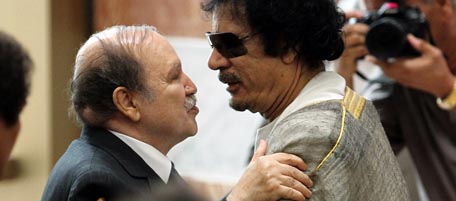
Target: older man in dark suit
[{"x": 136, "y": 103}]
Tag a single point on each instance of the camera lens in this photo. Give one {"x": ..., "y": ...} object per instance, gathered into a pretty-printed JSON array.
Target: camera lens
[{"x": 386, "y": 38}]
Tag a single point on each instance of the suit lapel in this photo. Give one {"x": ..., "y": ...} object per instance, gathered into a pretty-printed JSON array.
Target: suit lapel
[
  {"x": 132, "y": 162},
  {"x": 175, "y": 179}
]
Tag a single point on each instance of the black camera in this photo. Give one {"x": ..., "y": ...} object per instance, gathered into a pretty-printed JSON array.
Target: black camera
[{"x": 388, "y": 28}]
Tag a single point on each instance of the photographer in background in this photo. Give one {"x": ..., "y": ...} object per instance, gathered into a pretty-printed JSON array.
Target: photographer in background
[
  {"x": 420, "y": 111},
  {"x": 15, "y": 65},
  {"x": 351, "y": 63}
]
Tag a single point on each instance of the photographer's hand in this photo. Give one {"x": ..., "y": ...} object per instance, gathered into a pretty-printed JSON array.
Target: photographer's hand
[
  {"x": 354, "y": 47},
  {"x": 428, "y": 72}
]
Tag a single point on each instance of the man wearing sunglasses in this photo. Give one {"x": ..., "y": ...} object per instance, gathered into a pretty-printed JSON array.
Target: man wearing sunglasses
[
  {"x": 135, "y": 103},
  {"x": 271, "y": 55}
]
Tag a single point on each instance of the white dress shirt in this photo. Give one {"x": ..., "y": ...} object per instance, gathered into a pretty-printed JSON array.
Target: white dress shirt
[{"x": 153, "y": 158}]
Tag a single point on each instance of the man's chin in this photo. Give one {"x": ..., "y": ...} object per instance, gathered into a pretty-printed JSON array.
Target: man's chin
[
  {"x": 195, "y": 131},
  {"x": 190, "y": 133},
  {"x": 238, "y": 106}
]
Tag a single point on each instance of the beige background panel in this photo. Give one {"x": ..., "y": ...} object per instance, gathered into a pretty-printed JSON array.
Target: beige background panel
[
  {"x": 28, "y": 21},
  {"x": 51, "y": 31},
  {"x": 171, "y": 17},
  {"x": 70, "y": 28}
]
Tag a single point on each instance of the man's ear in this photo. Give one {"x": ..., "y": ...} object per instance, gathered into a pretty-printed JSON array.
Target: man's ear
[
  {"x": 443, "y": 2},
  {"x": 446, "y": 6},
  {"x": 289, "y": 57},
  {"x": 127, "y": 103}
]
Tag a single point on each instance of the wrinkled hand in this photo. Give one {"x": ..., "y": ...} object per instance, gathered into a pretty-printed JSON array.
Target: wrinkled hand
[
  {"x": 428, "y": 72},
  {"x": 354, "y": 38},
  {"x": 272, "y": 177}
]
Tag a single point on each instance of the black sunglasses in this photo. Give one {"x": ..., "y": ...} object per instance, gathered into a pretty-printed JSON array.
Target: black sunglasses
[{"x": 228, "y": 44}]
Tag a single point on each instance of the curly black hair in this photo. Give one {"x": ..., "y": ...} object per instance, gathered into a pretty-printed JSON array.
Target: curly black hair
[
  {"x": 15, "y": 67},
  {"x": 311, "y": 28}
]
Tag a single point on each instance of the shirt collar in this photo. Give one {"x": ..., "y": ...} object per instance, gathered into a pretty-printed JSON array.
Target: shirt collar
[
  {"x": 324, "y": 86},
  {"x": 153, "y": 158}
]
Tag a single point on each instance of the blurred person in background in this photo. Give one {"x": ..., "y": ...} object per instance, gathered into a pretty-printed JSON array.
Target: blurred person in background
[
  {"x": 135, "y": 103},
  {"x": 15, "y": 67},
  {"x": 270, "y": 54},
  {"x": 419, "y": 109}
]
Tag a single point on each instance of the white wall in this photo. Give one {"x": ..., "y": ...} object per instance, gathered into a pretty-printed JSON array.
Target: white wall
[
  {"x": 28, "y": 21},
  {"x": 220, "y": 149}
]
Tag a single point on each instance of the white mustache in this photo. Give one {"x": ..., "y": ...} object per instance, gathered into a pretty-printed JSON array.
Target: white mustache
[{"x": 190, "y": 102}]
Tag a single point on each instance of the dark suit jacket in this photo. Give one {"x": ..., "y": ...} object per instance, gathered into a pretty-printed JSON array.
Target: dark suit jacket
[{"x": 98, "y": 164}]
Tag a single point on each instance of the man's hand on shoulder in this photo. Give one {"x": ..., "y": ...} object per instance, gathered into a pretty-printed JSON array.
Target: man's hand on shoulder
[{"x": 273, "y": 177}]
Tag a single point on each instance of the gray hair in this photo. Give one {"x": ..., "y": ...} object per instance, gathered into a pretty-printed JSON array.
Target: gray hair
[{"x": 109, "y": 59}]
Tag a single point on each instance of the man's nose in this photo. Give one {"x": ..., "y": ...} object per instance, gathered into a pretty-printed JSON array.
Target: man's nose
[
  {"x": 217, "y": 60},
  {"x": 190, "y": 87}
]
